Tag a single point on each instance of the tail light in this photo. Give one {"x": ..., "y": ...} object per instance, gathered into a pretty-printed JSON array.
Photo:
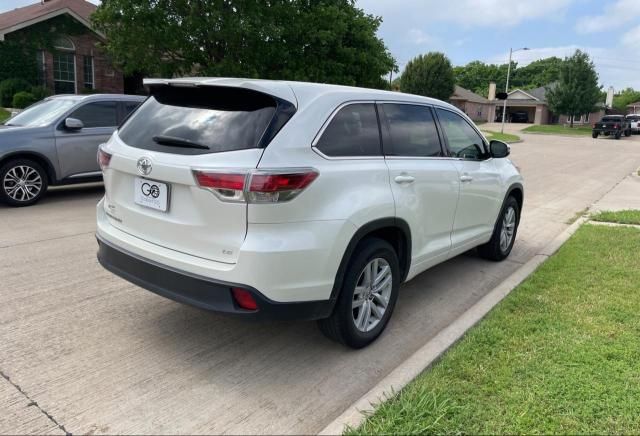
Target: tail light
[
  {"x": 104, "y": 158},
  {"x": 256, "y": 186},
  {"x": 617, "y": 126}
]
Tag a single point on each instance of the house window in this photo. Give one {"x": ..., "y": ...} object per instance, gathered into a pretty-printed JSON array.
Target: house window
[
  {"x": 64, "y": 73},
  {"x": 88, "y": 72},
  {"x": 42, "y": 76},
  {"x": 64, "y": 66}
]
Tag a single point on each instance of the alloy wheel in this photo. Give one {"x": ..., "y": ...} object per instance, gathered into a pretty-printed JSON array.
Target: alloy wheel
[
  {"x": 22, "y": 183},
  {"x": 508, "y": 228},
  {"x": 372, "y": 293}
]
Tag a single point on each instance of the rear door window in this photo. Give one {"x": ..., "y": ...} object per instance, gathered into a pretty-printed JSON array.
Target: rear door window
[
  {"x": 199, "y": 120},
  {"x": 97, "y": 114},
  {"x": 353, "y": 131},
  {"x": 412, "y": 131}
]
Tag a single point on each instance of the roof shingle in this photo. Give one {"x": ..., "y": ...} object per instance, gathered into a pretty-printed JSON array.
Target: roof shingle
[{"x": 18, "y": 16}]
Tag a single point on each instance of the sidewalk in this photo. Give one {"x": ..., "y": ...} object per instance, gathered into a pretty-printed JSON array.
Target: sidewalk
[{"x": 625, "y": 195}]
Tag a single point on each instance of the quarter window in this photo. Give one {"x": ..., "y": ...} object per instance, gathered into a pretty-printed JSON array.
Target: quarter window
[
  {"x": 462, "y": 139},
  {"x": 97, "y": 114},
  {"x": 353, "y": 131},
  {"x": 413, "y": 131}
]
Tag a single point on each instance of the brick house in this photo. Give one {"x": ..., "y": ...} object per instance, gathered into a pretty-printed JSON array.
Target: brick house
[
  {"x": 474, "y": 105},
  {"x": 76, "y": 64}
]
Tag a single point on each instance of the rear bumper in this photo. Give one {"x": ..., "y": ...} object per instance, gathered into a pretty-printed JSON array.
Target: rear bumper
[{"x": 202, "y": 292}]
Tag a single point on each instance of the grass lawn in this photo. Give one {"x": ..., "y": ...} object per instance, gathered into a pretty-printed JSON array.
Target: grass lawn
[
  {"x": 561, "y": 354},
  {"x": 4, "y": 114},
  {"x": 506, "y": 137},
  {"x": 555, "y": 129},
  {"x": 620, "y": 217}
]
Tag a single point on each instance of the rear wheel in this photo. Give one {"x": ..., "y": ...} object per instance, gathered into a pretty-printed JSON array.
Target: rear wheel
[
  {"x": 594, "y": 135},
  {"x": 504, "y": 233},
  {"x": 627, "y": 133},
  {"x": 618, "y": 135},
  {"x": 368, "y": 295},
  {"x": 22, "y": 182}
]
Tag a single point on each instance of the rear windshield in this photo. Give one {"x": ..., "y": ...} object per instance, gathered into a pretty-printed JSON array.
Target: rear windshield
[
  {"x": 199, "y": 120},
  {"x": 633, "y": 117},
  {"x": 612, "y": 119}
]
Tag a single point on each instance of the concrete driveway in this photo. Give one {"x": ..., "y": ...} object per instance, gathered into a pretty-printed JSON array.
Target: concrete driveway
[{"x": 85, "y": 352}]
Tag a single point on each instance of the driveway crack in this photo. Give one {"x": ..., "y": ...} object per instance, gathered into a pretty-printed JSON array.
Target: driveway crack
[{"x": 32, "y": 402}]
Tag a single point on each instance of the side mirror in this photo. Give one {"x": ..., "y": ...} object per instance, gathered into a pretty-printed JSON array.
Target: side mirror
[
  {"x": 73, "y": 124},
  {"x": 499, "y": 149}
]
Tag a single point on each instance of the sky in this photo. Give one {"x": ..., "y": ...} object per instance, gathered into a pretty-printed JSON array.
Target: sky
[{"x": 467, "y": 30}]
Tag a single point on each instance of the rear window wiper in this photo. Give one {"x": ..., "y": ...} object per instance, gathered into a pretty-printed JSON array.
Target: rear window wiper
[{"x": 178, "y": 142}]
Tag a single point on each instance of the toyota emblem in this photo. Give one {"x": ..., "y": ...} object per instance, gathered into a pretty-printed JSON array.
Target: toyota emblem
[{"x": 144, "y": 166}]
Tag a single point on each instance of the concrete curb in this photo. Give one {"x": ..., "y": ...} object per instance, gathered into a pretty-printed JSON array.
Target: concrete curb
[{"x": 432, "y": 350}]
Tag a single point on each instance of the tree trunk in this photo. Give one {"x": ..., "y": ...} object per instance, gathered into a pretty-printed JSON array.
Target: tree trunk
[{"x": 571, "y": 121}]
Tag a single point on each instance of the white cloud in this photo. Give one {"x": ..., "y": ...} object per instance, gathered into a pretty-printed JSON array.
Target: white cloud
[
  {"x": 632, "y": 38},
  {"x": 613, "y": 15},
  {"x": 468, "y": 13},
  {"x": 419, "y": 37}
]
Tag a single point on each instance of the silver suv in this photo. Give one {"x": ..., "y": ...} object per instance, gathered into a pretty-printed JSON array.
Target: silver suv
[{"x": 55, "y": 142}]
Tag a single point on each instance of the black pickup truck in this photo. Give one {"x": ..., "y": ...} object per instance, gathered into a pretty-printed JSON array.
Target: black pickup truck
[{"x": 612, "y": 125}]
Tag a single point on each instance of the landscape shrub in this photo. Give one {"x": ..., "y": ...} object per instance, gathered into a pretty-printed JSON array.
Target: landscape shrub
[
  {"x": 9, "y": 88},
  {"x": 23, "y": 99}
]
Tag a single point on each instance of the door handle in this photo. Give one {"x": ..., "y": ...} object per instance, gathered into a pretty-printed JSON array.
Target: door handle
[
  {"x": 403, "y": 179},
  {"x": 466, "y": 179}
]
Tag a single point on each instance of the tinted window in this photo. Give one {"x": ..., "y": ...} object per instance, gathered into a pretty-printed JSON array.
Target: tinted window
[
  {"x": 413, "y": 131},
  {"x": 612, "y": 119},
  {"x": 353, "y": 131},
  {"x": 129, "y": 106},
  {"x": 218, "y": 118},
  {"x": 97, "y": 114},
  {"x": 462, "y": 139}
]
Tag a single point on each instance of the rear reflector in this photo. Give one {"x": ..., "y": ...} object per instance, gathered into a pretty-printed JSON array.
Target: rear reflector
[
  {"x": 104, "y": 158},
  {"x": 244, "y": 299},
  {"x": 256, "y": 186}
]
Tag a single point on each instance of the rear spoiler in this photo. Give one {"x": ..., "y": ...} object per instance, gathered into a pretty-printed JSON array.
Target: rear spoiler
[{"x": 280, "y": 90}]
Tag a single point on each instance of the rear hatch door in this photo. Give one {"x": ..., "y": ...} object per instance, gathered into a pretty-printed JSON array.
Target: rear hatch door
[{"x": 150, "y": 186}]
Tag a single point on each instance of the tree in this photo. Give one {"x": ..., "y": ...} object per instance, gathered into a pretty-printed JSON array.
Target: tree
[
  {"x": 430, "y": 75},
  {"x": 577, "y": 92},
  {"x": 320, "y": 41},
  {"x": 624, "y": 98}
]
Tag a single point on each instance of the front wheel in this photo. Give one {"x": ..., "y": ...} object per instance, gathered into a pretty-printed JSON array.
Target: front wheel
[
  {"x": 22, "y": 182},
  {"x": 504, "y": 233},
  {"x": 594, "y": 135},
  {"x": 627, "y": 133},
  {"x": 618, "y": 135},
  {"x": 368, "y": 295}
]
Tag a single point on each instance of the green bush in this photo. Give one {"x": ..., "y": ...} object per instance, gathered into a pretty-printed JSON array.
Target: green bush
[
  {"x": 40, "y": 92},
  {"x": 23, "y": 99},
  {"x": 9, "y": 88}
]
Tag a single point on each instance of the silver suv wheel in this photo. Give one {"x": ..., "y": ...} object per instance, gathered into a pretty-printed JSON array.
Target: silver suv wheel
[
  {"x": 371, "y": 295},
  {"x": 508, "y": 228},
  {"x": 22, "y": 183}
]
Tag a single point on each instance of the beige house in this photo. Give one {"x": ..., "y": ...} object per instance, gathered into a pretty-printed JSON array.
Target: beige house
[
  {"x": 531, "y": 106},
  {"x": 633, "y": 108}
]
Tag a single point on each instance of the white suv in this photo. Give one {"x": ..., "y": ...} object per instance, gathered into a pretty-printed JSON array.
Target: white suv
[{"x": 294, "y": 200}]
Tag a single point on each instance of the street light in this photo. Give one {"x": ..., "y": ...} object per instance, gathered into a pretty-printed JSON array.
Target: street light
[{"x": 506, "y": 89}]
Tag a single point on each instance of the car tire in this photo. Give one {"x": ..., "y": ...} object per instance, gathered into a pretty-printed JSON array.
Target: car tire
[
  {"x": 618, "y": 135},
  {"x": 627, "y": 133},
  {"x": 504, "y": 232},
  {"x": 594, "y": 135},
  {"x": 27, "y": 173},
  {"x": 360, "y": 314}
]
